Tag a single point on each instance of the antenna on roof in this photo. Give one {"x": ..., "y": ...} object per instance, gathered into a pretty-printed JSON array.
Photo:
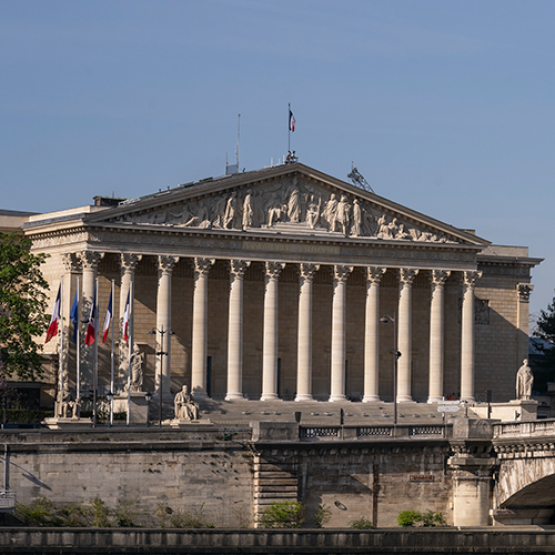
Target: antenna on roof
[
  {"x": 358, "y": 179},
  {"x": 234, "y": 168}
]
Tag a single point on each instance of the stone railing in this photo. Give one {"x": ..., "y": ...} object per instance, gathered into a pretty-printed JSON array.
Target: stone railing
[
  {"x": 346, "y": 433},
  {"x": 533, "y": 428}
]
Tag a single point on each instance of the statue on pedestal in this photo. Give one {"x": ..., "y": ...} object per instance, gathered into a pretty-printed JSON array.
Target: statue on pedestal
[
  {"x": 64, "y": 404},
  {"x": 136, "y": 369},
  {"x": 524, "y": 382},
  {"x": 185, "y": 408}
]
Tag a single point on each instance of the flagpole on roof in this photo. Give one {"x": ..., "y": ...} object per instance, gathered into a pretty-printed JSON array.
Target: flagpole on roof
[{"x": 289, "y": 127}]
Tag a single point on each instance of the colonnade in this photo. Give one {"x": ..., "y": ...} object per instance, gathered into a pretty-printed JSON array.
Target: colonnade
[{"x": 307, "y": 272}]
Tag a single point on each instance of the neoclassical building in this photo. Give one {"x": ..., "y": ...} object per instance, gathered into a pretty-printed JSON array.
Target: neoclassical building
[{"x": 286, "y": 283}]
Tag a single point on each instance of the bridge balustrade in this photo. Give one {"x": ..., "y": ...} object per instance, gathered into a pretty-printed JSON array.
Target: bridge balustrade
[{"x": 527, "y": 429}]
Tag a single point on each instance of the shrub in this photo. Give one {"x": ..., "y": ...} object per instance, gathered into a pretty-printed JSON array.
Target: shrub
[
  {"x": 361, "y": 523},
  {"x": 196, "y": 519},
  {"x": 100, "y": 513},
  {"x": 416, "y": 518},
  {"x": 321, "y": 516},
  {"x": 37, "y": 513},
  {"x": 287, "y": 514}
]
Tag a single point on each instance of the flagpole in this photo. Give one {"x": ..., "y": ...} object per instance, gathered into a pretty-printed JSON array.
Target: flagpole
[
  {"x": 130, "y": 326},
  {"x": 112, "y": 360},
  {"x": 78, "y": 355},
  {"x": 289, "y": 127},
  {"x": 95, "y": 355},
  {"x": 61, "y": 341}
]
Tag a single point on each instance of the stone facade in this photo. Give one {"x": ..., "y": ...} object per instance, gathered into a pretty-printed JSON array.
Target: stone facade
[{"x": 274, "y": 283}]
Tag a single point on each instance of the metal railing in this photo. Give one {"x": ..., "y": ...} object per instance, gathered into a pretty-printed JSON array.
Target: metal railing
[{"x": 8, "y": 501}]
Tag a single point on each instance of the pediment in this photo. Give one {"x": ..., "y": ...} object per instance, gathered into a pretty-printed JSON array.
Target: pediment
[{"x": 286, "y": 202}]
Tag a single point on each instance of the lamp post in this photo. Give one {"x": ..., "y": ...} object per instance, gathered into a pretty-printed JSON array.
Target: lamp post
[
  {"x": 148, "y": 398},
  {"x": 396, "y": 354},
  {"x": 161, "y": 353},
  {"x": 110, "y": 396}
]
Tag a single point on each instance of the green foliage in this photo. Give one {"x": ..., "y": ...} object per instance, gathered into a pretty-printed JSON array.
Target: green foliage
[
  {"x": 100, "y": 513},
  {"x": 163, "y": 513},
  {"x": 23, "y": 298},
  {"x": 196, "y": 519},
  {"x": 37, "y": 513},
  {"x": 321, "y": 516},
  {"x": 416, "y": 518},
  {"x": 287, "y": 514},
  {"x": 27, "y": 416},
  {"x": 544, "y": 366},
  {"x": 125, "y": 514},
  {"x": 361, "y": 523}
]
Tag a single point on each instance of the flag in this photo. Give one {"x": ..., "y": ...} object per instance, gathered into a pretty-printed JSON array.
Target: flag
[
  {"x": 126, "y": 319},
  {"x": 74, "y": 315},
  {"x": 91, "y": 328},
  {"x": 292, "y": 121},
  {"x": 108, "y": 319},
  {"x": 53, "y": 327}
]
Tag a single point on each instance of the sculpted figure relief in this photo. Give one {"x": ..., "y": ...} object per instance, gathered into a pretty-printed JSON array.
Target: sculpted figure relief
[
  {"x": 356, "y": 230},
  {"x": 294, "y": 205},
  {"x": 185, "y": 408},
  {"x": 248, "y": 211},
  {"x": 230, "y": 211},
  {"x": 524, "y": 381},
  {"x": 330, "y": 212},
  {"x": 344, "y": 215},
  {"x": 313, "y": 211}
]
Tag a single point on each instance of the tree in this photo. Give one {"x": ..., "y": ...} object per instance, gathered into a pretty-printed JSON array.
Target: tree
[
  {"x": 23, "y": 301},
  {"x": 545, "y": 330}
]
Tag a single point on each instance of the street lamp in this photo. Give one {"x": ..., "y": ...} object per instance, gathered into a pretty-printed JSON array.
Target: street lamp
[
  {"x": 110, "y": 396},
  {"x": 148, "y": 398},
  {"x": 396, "y": 354},
  {"x": 161, "y": 353}
]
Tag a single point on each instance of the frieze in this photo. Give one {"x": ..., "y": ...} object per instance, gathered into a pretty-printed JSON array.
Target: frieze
[{"x": 289, "y": 204}]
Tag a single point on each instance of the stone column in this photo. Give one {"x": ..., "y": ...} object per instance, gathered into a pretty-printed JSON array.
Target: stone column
[
  {"x": 72, "y": 266},
  {"x": 270, "y": 339},
  {"x": 522, "y": 316},
  {"x": 304, "y": 340},
  {"x": 467, "y": 336},
  {"x": 164, "y": 324},
  {"x": 435, "y": 392},
  {"x": 89, "y": 263},
  {"x": 371, "y": 335},
  {"x": 340, "y": 275},
  {"x": 200, "y": 311},
  {"x": 237, "y": 269},
  {"x": 128, "y": 264},
  {"x": 404, "y": 379}
]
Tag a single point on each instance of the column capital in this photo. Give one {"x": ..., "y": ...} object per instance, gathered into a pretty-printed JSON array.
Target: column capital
[
  {"x": 407, "y": 275},
  {"x": 341, "y": 273},
  {"x": 307, "y": 271},
  {"x": 72, "y": 262},
  {"x": 439, "y": 277},
  {"x": 237, "y": 268},
  {"x": 90, "y": 259},
  {"x": 128, "y": 262},
  {"x": 524, "y": 290},
  {"x": 202, "y": 266},
  {"x": 470, "y": 279},
  {"x": 374, "y": 274},
  {"x": 273, "y": 269},
  {"x": 166, "y": 264}
]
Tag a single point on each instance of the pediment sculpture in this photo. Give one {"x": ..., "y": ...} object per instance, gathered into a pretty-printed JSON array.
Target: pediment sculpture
[{"x": 291, "y": 205}]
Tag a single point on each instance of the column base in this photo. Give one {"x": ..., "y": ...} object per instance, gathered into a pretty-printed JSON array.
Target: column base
[
  {"x": 235, "y": 397},
  {"x": 270, "y": 397},
  {"x": 337, "y": 398},
  {"x": 435, "y": 399},
  {"x": 405, "y": 399},
  {"x": 304, "y": 398},
  {"x": 371, "y": 399}
]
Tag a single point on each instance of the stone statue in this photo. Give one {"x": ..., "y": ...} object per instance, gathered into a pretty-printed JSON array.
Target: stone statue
[
  {"x": 524, "y": 382},
  {"x": 136, "y": 369},
  {"x": 185, "y": 408},
  {"x": 313, "y": 211},
  {"x": 330, "y": 212},
  {"x": 230, "y": 211},
  {"x": 294, "y": 205},
  {"x": 344, "y": 215},
  {"x": 274, "y": 210},
  {"x": 247, "y": 210},
  {"x": 64, "y": 404},
  {"x": 356, "y": 230}
]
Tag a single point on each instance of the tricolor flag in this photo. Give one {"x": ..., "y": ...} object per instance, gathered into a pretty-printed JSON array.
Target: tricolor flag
[
  {"x": 108, "y": 319},
  {"x": 126, "y": 319},
  {"x": 91, "y": 328},
  {"x": 292, "y": 121},
  {"x": 74, "y": 315},
  {"x": 53, "y": 327}
]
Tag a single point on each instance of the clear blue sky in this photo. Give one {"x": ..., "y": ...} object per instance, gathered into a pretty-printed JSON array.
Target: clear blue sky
[{"x": 447, "y": 107}]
